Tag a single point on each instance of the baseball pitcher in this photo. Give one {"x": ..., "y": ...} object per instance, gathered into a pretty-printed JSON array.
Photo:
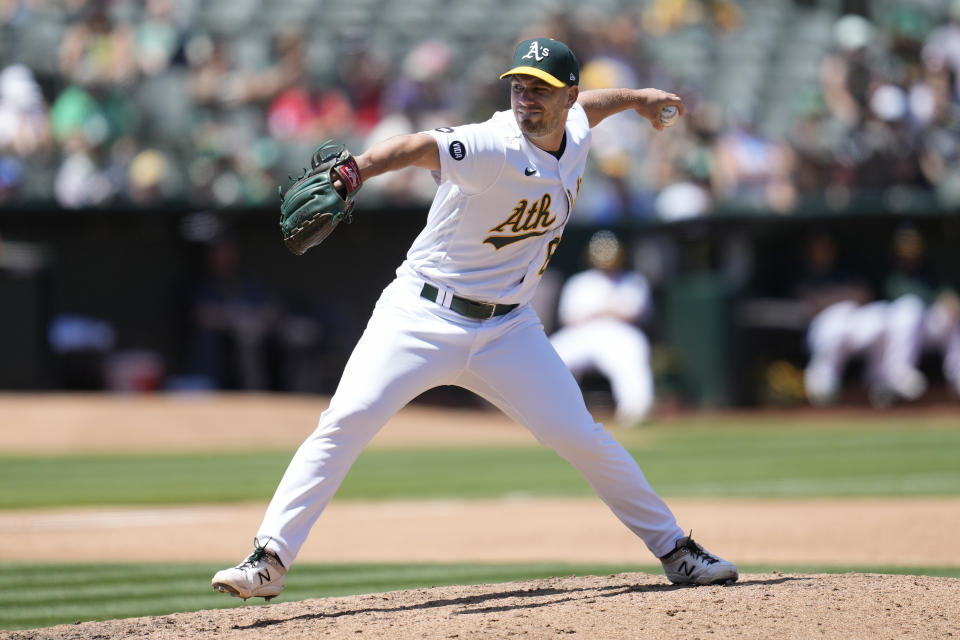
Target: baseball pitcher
[{"x": 459, "y": 313}]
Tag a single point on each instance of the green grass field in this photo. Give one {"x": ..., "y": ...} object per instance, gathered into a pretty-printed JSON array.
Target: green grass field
[
  {"x": 760, "y": 461},
  {"x": 789, "y": 458}
]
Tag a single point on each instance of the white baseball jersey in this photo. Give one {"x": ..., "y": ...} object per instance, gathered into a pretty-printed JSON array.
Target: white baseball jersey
[{"x": 500, "y": 208}]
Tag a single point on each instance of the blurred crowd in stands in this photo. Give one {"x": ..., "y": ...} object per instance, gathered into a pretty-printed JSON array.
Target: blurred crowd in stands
[{"x": 790, "y": 103}]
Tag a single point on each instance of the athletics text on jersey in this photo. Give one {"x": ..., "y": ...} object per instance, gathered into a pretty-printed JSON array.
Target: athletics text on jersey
[{"x": 500, "y": 209}]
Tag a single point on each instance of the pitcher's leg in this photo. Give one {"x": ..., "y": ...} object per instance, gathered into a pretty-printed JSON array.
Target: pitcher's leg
[
  {"x": 522, "y": 374},
  {"x": 388, "y": 368}
]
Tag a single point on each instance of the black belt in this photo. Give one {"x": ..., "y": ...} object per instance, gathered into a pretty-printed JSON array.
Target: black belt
[{"x": 469, "y": 308}]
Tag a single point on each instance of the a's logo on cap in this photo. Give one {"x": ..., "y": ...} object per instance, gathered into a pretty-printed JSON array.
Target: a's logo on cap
[
  {"x": 573, "y": 78},
  {"x": 536, "y": 52}
]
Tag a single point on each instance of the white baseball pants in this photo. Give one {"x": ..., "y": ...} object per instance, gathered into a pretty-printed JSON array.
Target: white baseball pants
[{"x": 411, "y": 345}]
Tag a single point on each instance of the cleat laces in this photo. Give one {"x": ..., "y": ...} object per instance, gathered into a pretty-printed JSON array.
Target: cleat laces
[
  {"x": 699, "y": 552},
  {"x": 259, "y": 551}
]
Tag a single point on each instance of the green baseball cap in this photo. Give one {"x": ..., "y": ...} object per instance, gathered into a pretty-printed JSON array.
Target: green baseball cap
[{"x": 547, "y": 59}]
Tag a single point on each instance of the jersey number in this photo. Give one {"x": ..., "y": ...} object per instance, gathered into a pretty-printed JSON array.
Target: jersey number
[{"x": 551, "y": 249}]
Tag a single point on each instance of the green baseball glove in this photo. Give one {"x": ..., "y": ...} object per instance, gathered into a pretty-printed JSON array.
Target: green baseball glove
[{"x": 312, "y": 207}]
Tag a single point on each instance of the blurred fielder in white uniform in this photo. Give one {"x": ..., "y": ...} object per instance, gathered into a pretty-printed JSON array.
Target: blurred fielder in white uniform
[
  {"x": 600, "y": 310},
  {"x": 847, "y": 322},
  {"x": 459, "y": 313},
  {"x": 929, "y": 309}
]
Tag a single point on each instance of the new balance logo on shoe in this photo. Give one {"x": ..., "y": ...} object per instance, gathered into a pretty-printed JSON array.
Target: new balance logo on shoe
[
  {"x": 689, "y": 563},
  {"x": 265, "y": 576}
]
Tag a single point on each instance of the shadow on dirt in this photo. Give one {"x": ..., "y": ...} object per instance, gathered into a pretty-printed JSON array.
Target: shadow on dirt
[{"x": 527, "y": 598}]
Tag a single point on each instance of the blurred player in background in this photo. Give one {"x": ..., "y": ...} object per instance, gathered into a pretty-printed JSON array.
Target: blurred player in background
[
  {"x": 849, "y": 321},
  {"x": 600, "y": 310},
  {"x": 929, "y": 308}
]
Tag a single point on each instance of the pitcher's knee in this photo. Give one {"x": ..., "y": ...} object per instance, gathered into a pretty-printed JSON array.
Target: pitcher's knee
[
  {"x": 348, "y": 428},
  {"x": 576, "y": 440}
]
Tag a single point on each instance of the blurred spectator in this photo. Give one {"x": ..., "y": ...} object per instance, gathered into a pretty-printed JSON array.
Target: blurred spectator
[
  {"x": 285, "y": 68},
  {"x": 157, "y": 37},
  {"x": 292, "y": 115},
  {"x": 886, "y": 142},
  {"x": 846, "y": 74},
  {"x": 296, "y": 114},
  {"x": 422, "y": 92},
  {"x": 11, "y": 178},
  {"x": 211, "y": 78},
  {"x": 877, "y": 100},
  {"x": 685, "y": 178},
  {"x": 94, "y": 51},
  {"x": 363, "y": 72},
  {"x": 218, "y": 77},
  {"x": 86, "y": 125},
  {"x": 939, "y": 145},
  {"x": 75, "y": 114},
  {"x": 663, "y": 16},
  {"x": 600, "y": 311},
  {"x": 24, "y": 128},
  {"x": 618, "y": 146},
  {"x": 150, "y": 174},
  {"x": 752, "y": 171},
  {"x": 80, "y": 182},
  {"x": 882, "y": 115},
  {"x": 941, "y": 50},
  {"x": 686, "y": 196}
]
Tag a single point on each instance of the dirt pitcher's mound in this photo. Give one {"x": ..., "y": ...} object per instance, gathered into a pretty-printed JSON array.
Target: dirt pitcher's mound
[{"x": 628, "y": 605}]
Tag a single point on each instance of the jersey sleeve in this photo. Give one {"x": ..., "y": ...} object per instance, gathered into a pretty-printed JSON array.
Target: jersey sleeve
[
  {"x": 579, "y": 118},
  {"x": 471, "y": 156}
]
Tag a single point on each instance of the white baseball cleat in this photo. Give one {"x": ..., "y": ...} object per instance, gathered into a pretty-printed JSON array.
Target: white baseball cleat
[
  {"x": 259, "y": 576},
  {"x": 689, "y": 563}
]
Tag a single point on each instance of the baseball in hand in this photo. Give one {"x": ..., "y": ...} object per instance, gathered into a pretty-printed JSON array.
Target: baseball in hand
[{"x": 669, "y": 116}]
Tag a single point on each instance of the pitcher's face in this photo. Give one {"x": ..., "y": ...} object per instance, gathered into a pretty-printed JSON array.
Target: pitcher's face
[{"x": 539, "y": 108}]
